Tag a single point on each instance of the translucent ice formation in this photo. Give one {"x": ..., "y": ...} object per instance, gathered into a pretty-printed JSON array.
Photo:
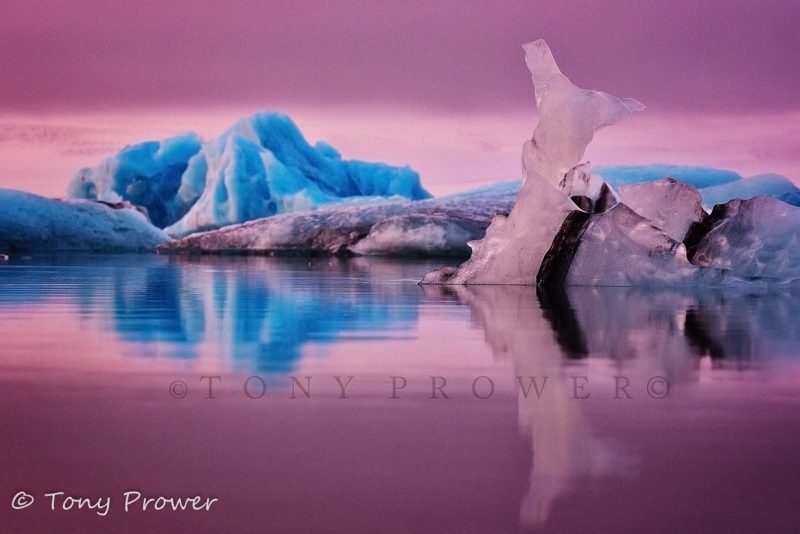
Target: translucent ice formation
[
  {"x": 567, "y": 227},
  {"x": 755, "y": 237},
  {"x": 671, "y": 205},
  {"x": 514, "y": 246},
  {"x": 618, "y": 248}
]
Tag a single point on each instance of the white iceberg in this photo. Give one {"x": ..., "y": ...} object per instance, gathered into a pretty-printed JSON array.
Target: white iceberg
[
  {"x": 554, "y": 237},
  {"x": 30, "y": 222},
  {"x": 261, "y": 166},
  {"x": 432, "y": 227},
  {"x": 514, "y": 246},
  {"x": 618, "y": 248}
]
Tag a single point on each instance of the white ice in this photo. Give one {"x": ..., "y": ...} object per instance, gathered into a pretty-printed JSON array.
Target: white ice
[
  {"x": 514, "y": 246},
  {"x": 622, "y": 248},
  {"x": 547, "y": 240},
  {"x": 440, "y": 226},
  {"x": 671, "y": 205}
]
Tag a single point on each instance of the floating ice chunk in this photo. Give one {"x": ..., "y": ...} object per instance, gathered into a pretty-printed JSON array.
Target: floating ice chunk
[
  {"x": 755, "y": 237},
  {"x": 546, "y": 240},
  {"x": 671, "y": 205},
  {"x": 433, "y": 227},
  {"x": 514, "y": 246},
  {"x": 30, "y": 222},
  {"x": 419, "y": 235}
]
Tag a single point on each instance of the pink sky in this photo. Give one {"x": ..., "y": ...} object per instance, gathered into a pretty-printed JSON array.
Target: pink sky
[{"x": 439, "y": 85}]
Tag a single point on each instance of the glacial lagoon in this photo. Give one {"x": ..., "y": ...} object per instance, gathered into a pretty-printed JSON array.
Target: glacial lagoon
[{"x": 339, "y": 395}]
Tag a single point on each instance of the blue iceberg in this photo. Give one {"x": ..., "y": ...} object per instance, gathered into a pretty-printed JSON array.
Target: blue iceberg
[
  {"x": 767, "y": 185},
  {"x": 261, "y": 166},
  {"x": 716, "y": 186},
  {"x": 698, "y": 177},
  {"x": 31, "y": 222}
]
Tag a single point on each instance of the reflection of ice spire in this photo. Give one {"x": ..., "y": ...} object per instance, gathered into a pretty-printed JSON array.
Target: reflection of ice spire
[{"x": 564, "y": 448}]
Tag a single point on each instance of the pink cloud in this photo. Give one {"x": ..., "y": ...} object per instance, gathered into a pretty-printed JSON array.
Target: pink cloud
[{"x": 452, "y": 151}]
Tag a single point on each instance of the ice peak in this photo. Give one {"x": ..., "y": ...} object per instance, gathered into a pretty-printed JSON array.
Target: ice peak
[
  {"x": 568, "y": 117},
  {"x": 514, "y": 247},
  {"x": 542, "y": 65}
]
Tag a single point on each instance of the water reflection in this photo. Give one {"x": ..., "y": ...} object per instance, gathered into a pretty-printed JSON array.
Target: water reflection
[
  {"x": 254, "y": 312},
  {"x": 642, "y": 333},
  {"x": 260, "y": 315},
  {"x": 265, "y": 311},
  {"x": 732, "y": 326},
  {"x": 564, "y": 449}
]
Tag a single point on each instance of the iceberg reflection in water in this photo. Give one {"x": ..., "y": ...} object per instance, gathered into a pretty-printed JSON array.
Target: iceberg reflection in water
[
  {"x": 253, "y": 311},
  {"x": 718, "y": 350},
  {"x": 646, "y": 334}
]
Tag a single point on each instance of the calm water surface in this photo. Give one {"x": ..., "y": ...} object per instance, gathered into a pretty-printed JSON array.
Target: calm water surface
[{"x": 596, "y": 410}]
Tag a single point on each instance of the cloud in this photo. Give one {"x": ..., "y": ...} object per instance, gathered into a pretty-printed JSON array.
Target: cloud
[
  {"x": 451, "y": 151},
  {"x": 68, "y": 140}
]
